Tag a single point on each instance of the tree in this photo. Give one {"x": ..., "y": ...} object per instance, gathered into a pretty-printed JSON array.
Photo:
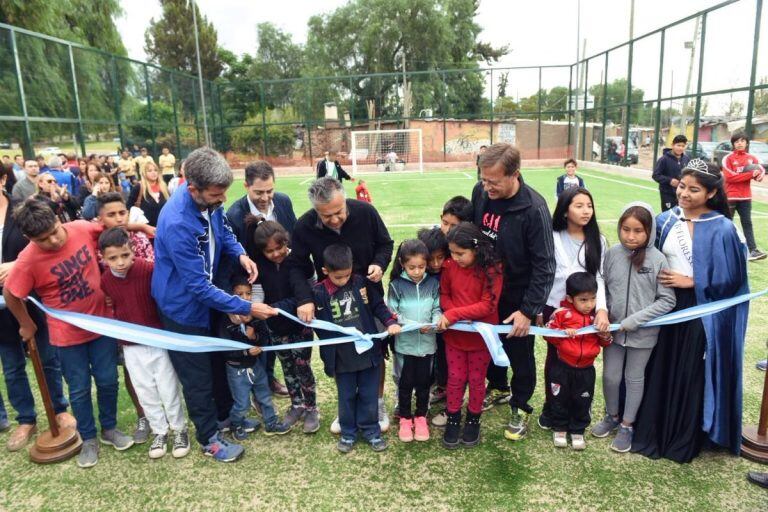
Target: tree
[
  {"x": 170, "y": 41},
  {"x": 45, "y": 64},
  {"x": 373, "y": 36},
  {"x": 761, "y": 99}
]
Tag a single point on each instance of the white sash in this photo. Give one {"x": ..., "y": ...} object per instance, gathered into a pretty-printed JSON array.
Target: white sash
[{"x": 678, "y": 248}]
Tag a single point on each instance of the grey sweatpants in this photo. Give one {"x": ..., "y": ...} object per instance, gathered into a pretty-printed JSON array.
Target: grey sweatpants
[{"x": 634, "y": 376}]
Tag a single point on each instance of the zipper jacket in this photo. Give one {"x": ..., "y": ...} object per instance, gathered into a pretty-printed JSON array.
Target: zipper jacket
[
  {"x": 415, "y": 302},
  {"x": 579, "y": 351}
]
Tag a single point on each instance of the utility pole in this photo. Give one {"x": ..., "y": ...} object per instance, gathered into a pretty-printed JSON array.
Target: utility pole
[
  {"x": 406, "y": 94},
  {"x": 692, "y": 46},
  {"x": 200, "y": 74}
]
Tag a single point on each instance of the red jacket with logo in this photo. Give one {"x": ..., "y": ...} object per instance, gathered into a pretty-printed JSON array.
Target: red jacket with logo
[
  {"x": 737, "y": 181},
  {"x": 579, "y": 351}
]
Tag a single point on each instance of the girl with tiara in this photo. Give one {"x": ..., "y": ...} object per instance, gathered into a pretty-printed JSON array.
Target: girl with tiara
[{"x": 693, "y": 389}]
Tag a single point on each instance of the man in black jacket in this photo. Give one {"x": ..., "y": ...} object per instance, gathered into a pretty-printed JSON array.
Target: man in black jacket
[
  {"x": 334, "y": 219},
  {"x": 667, "y": 171},
  {"x": 516, "y": 218},
  {"x": 329, "y": 166}
]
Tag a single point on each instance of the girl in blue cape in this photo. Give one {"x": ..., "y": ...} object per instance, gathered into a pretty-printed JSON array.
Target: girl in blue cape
[{"x": 693, "y": 381}]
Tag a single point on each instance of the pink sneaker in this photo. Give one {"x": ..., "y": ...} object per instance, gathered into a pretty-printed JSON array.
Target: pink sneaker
[
  {"x": 406, "y": 430},
  {"x": 421, "y": 428}
]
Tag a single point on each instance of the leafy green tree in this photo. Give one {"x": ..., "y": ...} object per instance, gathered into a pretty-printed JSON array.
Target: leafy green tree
[{"x": 170, "y": 40}]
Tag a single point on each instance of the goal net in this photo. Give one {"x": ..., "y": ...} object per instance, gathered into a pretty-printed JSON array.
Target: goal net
[{"x": 387, "y": 151}]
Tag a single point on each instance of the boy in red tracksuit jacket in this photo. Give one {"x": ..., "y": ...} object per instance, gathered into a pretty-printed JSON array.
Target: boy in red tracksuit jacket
[
  {"x": 739, "y": 169},
  {"x": 572, "y": 378}
]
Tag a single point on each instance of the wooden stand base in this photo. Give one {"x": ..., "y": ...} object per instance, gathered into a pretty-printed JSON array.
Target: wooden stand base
[
  {"x": 48, "y": 449},
  {"x": 754, "y": 446}
]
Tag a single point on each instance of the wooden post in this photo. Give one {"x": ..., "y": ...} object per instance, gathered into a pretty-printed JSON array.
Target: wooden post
[
  {"x": 56, "y": 444},
  {"x": 755, "y": 439}
]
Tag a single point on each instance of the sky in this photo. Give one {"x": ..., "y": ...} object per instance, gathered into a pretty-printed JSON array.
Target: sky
[{"x": 538, "y": 33}]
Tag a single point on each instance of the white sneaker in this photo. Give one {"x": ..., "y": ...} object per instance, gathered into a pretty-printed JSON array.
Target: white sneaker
[
  {"x": 336, "y": 426},
  {"x": 577, "y": 442},
  {"x": 560, "y": 439},
  {"x": 383, "y": 416}
]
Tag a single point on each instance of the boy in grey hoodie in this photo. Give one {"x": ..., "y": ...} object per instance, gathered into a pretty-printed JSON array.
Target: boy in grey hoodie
[{"x": 634, "y": 296}]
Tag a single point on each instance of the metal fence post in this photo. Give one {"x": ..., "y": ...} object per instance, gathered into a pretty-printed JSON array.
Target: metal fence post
[
  {"x": 697, "y": 111},
  {"x": 80, "y": 133},
  {"x": 628, "y": 105},
  {"x": 605, "y": 109},
  {"x": 753, "y": 72},
  {"x": 445, "y": 113},
  {"x": 28, "y": 150},
  {"x": 491, "y": 114},
  {"x": 568, "y": 152},
  {"x": 152, "y": 132},
  {"x": 194, "y": 110},
  {"x": 657, "y": 121},
  {"x": 117, "y": 98},
  {"x": 175, "y": 115},
  {"x": 538, "y": 124},
  {"x": 584, "y": 121},
  {"x": 263, "y": 108}
]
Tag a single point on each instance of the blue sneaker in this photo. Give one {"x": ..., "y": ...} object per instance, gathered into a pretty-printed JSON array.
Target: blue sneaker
[
  {"x": 762, "y": 365},
  {"x": 250, "y": 425},
  {"x": 277, "y": 428},
  {"x": 222, "y": 450},
  {"x": 345, "y": 445}
]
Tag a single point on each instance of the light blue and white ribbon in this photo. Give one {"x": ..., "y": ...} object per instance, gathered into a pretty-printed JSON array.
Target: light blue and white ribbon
[{"x": 490, "y": 333}]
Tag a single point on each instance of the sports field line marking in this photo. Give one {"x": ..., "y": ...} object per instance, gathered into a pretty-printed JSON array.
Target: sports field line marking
[
  {"x": 307, "y": 180},
  {"x": 467, "y": 175},
  {"x": 419, "y": 225},
  {"x": 654, "y": 189},
  {"x": 385, "y": 181}
]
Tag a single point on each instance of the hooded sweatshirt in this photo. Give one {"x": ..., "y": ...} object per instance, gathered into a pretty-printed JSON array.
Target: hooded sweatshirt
[
  {"x": 635, "y": 295},
  {"x": 415, "y": 302}
]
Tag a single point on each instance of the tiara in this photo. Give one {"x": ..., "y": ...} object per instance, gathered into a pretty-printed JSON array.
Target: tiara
[{"x": 699, "y": 165}]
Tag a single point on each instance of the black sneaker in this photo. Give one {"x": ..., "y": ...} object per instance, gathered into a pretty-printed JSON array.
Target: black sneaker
[
  {"x": 471, "y": 435},
  {"x": 277, "y": 428},
  {"x": 345, "y": 445},
  {"x": 757, "y": 254},
  {"x": 452, "y": 430},
  {"x": 544, "y": 421}
]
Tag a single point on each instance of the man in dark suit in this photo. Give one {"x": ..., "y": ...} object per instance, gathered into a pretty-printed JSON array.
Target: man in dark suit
[
  {"x": 329, "y": 166},
  {"x": 261, "y": 199}
]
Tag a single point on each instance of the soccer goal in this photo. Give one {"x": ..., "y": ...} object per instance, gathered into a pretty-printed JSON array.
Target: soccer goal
[{"x": 387, "y": 151}]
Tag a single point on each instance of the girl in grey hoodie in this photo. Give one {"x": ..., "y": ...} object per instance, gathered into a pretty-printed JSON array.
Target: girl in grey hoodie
[{"x": 634, "y": 296}]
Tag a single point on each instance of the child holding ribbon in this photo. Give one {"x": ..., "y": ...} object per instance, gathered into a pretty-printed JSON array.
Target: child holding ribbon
[
  {"x": 470, "y": 287},
  {"x": 635, "y": 296},
  {"x": 414, "y": 296}
]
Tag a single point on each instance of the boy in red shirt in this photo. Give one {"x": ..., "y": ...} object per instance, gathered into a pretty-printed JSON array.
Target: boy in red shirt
[
  {"x": 127, "y": 282},
  {"x": 739, "y": 169},
  {"x": 60, "y": 266},
  {"x": 572, "y": 377}
]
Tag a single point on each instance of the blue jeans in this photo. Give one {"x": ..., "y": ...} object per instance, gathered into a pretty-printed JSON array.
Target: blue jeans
[
  {"x": 14, "y": 369},
  {"x": 243, "y": 382},
  {"x": 359, "y": 403},
  {"x": 97, "y": 359}
]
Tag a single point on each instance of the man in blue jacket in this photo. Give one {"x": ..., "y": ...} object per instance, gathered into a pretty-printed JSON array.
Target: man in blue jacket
[
  {"x": 192, "y": 237},
  {"x": 261, "y": 199}
]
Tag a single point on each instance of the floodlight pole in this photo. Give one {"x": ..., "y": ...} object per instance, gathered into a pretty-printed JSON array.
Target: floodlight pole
[{"x": 200, "y": 74}]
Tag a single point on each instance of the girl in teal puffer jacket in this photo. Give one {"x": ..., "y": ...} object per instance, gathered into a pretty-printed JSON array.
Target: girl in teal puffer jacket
[{"x": 414, "y": 296}]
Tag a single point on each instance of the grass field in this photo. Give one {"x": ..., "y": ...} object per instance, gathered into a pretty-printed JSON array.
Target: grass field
[{"x": 298, "y": 472}]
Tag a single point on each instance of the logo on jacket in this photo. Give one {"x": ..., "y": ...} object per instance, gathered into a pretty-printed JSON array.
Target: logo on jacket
[
  {"x": 555, "y": 388},
  {"x": 585, "y": 394}
]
